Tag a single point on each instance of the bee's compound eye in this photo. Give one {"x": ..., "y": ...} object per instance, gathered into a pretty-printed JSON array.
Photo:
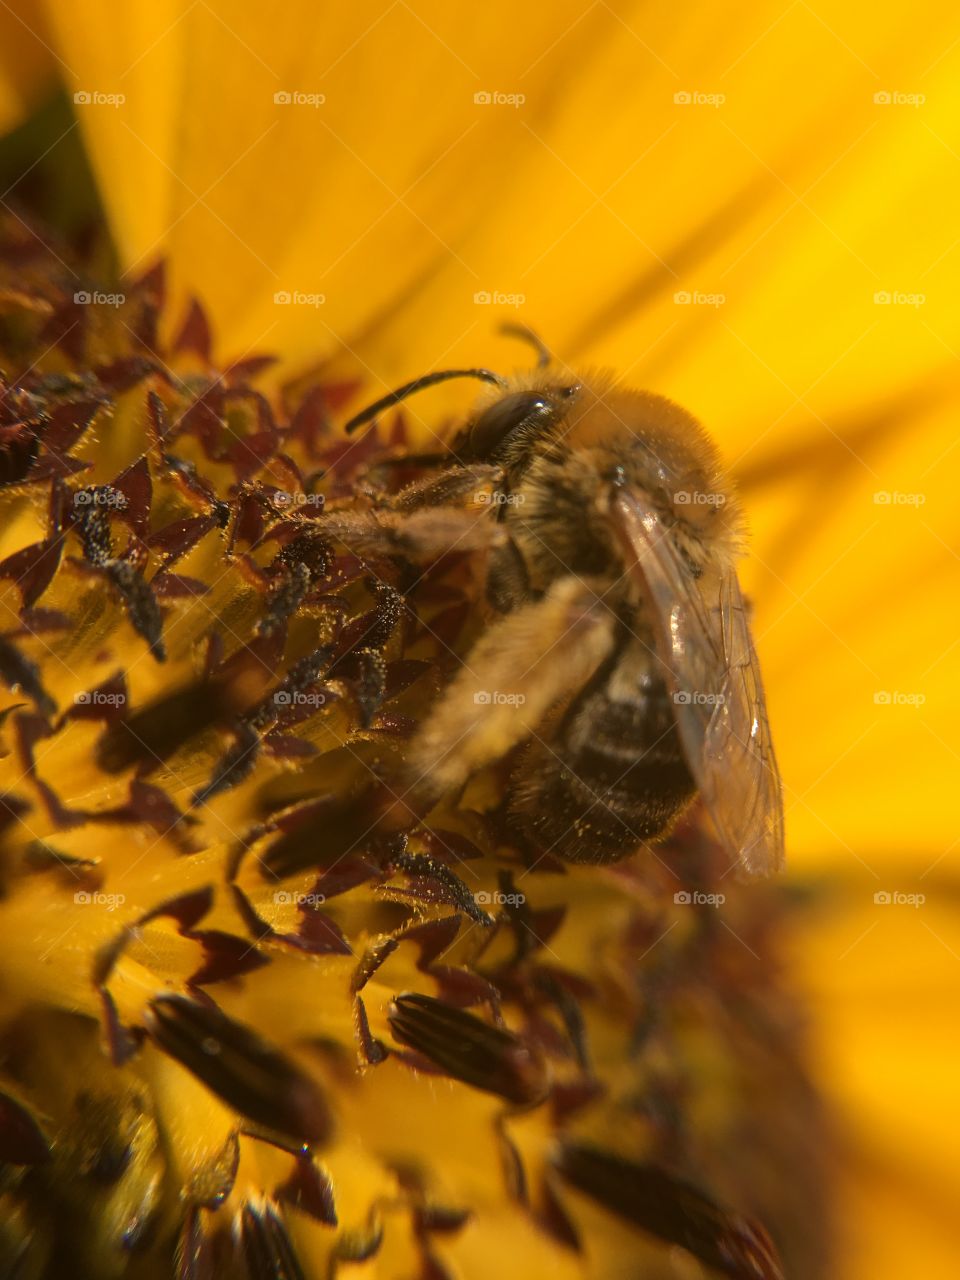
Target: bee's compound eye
[{"x": 497, "y": 424}]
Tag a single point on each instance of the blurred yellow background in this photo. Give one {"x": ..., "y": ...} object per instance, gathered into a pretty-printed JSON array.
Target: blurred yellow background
[{"x": 754, "y": 210}]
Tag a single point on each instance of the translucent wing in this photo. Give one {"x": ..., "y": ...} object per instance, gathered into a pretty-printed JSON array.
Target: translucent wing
[{"x": 710, "y": 664}]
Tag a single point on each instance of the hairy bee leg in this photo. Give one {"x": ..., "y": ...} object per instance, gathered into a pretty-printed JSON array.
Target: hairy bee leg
[
  {"x": 447, "y": 512},
  {"x": 520, "y": 667},
  {"x": 417, "y": 535},
  {"x": 455, "y": 486},
  {"x": 508, "y": 579}
]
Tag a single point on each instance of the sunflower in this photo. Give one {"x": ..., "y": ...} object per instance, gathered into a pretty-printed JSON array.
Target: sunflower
[{"x": 754, "y": 216}]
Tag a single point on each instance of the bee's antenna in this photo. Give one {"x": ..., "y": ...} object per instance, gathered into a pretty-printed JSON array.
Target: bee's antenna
[
  {"x": 418, "y": 384},
  {"x": 527, "y": 335}
]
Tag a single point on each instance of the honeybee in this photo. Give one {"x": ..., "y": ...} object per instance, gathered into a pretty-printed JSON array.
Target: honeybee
[{"x": 618, "y": 659}]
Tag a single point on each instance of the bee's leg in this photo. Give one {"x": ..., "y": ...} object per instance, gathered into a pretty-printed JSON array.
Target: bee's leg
[
  {"x": 471, "y": 486},
  {"x": 508, "y": 583},
  {"x": 453, "y": 511},
  {"x": 523, "y": 665},
  {"x": 420, "y": 535}
]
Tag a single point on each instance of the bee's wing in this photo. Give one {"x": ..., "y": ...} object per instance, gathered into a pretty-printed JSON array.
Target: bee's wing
[
  {"x": 744, "y": 795},
  {"x": 711, "y": 666}
]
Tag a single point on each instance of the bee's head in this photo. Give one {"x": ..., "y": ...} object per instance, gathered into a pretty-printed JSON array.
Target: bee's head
[{"x": 513, "y": 424}]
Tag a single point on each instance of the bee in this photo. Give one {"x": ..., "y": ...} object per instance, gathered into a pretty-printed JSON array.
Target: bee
[{"x": 617, "y": 665}]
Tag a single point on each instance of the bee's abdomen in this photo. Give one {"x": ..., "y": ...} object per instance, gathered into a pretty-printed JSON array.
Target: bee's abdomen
[{"x": 610, "y": 775}]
